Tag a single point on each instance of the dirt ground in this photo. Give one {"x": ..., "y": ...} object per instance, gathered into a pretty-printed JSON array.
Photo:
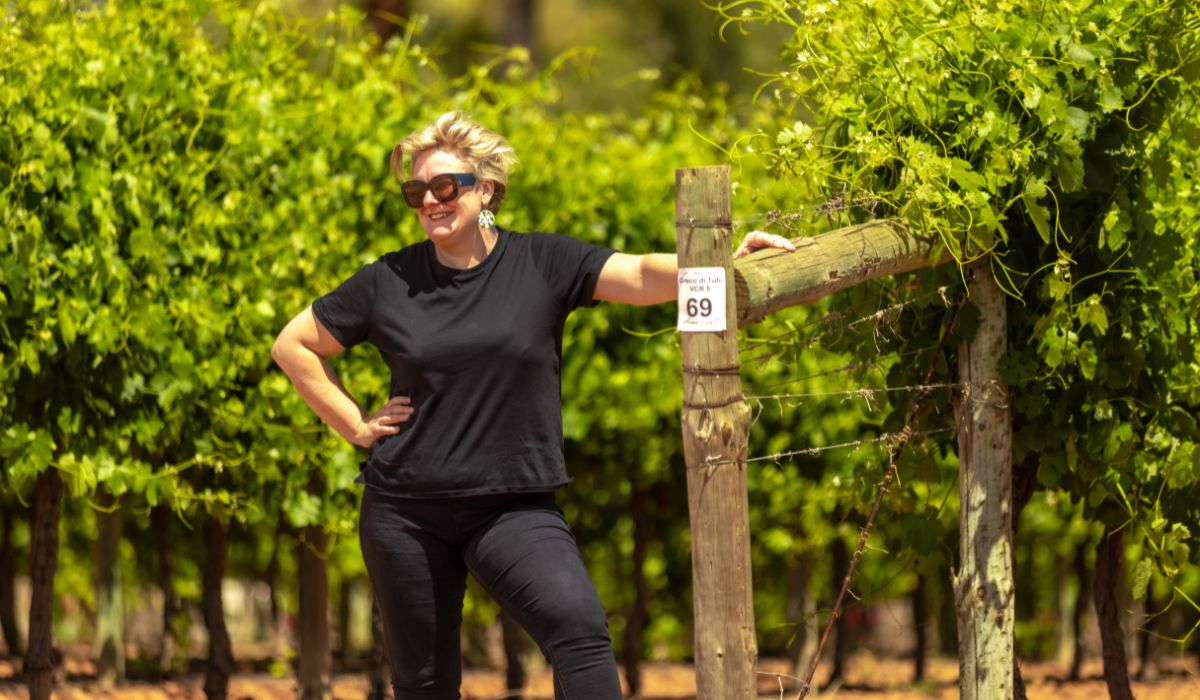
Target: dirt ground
[{"x": 867, "y": 677}]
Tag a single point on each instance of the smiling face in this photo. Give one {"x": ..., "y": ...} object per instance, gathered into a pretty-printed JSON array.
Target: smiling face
[{"x": 452, "y": 226}]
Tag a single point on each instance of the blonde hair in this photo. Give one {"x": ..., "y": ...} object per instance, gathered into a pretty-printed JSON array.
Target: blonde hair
[{"x": 488, "y": 154}]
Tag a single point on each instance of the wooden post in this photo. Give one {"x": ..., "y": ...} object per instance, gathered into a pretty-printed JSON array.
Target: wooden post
[
  {"x": 715, "y": 434},
  {"x": 984, "y": 588}
]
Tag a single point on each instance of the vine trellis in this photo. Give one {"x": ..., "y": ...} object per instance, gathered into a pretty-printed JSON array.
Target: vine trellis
[{"x": 716, "y": 420}]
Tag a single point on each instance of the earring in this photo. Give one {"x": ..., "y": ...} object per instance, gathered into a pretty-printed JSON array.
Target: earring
[{"x": 487, "y": 218}]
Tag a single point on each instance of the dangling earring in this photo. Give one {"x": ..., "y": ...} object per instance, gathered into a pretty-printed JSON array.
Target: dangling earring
[{"x": 487, "y": 218}]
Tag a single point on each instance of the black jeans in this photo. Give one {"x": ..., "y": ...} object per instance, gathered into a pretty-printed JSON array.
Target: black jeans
[{"x": 518, "y": 547}]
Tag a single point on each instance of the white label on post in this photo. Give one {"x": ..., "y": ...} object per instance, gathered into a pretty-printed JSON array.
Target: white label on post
[{"x": 701, "y": 299}]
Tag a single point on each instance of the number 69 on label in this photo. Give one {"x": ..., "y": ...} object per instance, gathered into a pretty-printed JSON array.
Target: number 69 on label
[
  {"x": 701, "y": 299},
  {"x": 699, "y": 307}
]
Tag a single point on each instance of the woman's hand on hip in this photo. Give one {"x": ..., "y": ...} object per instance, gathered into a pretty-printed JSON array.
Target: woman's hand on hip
[{"x": 386, "y": 421}]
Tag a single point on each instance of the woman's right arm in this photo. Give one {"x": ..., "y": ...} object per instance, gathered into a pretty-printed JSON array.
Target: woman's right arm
[{"x": 302, "y": 350}]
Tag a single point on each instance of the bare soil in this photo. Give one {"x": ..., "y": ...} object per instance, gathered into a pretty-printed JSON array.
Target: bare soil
[{"x": 868, "y": 676}]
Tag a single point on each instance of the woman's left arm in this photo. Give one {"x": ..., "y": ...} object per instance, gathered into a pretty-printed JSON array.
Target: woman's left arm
[{"x": 652, "y": 279}]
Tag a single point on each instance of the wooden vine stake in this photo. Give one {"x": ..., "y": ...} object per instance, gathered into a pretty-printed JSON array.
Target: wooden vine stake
[
  {"x": 984, "y": 588},
  {"x": 716, "y": 424}
]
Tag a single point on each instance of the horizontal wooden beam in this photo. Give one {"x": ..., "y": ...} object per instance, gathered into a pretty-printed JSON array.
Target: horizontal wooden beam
[{"x": 770, "y": 280}]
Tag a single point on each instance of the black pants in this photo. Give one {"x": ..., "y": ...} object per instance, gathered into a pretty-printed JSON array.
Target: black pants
[{"x": 518, "y": 547}]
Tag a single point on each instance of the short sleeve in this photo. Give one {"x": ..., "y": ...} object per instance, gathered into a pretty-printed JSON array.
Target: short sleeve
[
  {"x": 571, "y": 267},
  {"x": 347, "y": 310}
]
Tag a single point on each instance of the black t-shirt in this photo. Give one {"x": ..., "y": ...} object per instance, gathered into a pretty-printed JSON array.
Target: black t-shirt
[{"x": 478, "y": 351}]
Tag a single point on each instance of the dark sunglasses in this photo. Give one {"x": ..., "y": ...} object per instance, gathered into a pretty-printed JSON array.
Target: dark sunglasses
[{"x": 444, "y": 188}]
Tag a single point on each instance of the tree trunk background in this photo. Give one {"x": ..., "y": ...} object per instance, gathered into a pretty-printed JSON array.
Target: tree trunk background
[
  {"x": 160, "y": 521},
  {"x": 636, "y": 623},
  {"x": 947, "y": 610},
  {"x": 1079, "y": 613},
  {"x": 920, "y": 613},
  {"x": 1147, "y": 638},
  {"x": 279, "y": 628},
  {"x": 801, "y": 612},
  {"x": 379, "y": 672},
  {"x": 1110, "y": 563},
  {"x": 110, "y": 608},
  {"x": 8, "y": 575},
  {"x": 345, "y": 592},
  {"x": 220, "y": 650},
  {"x": 841, "y": 566},
  {"x": 515, "y": 646},
  {"x": 520, "y": 24},
  {"x": 315, "y": 662},
  {"x": 1064, "y": 602},
  {"x": 385, "y": 16},
  {"x": 40, "y": 655}
]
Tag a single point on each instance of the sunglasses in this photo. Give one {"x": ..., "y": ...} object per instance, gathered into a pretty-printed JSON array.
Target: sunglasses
[{"x": 444, "y": 188}]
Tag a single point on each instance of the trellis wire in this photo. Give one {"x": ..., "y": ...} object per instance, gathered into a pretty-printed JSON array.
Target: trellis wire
[
  {"x": 864, "y": 392},
  {"x": 885, "y": 438},
  {"x": 835, "y": 316},
  {"x": 880, "y": 332},
  {"x": 883, "y": 321},
  {"x": 843, "y": 201},
  {"x": 864, "y": 364}
]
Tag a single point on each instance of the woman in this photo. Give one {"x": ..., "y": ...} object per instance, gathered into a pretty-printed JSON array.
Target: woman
[{"x": 466, "y": 455}]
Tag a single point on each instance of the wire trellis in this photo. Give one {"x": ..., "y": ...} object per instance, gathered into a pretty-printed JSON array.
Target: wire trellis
[
  {"x": 792, "y": 218},
  {"x": 886, "y": 439},
  {"x": 835, "y": 320},
  {"x": 849, "y": 367}
]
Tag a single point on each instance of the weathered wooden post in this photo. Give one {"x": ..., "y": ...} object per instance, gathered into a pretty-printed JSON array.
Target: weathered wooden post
[
  {"x": 715, "y": 435},
  {"x": 984, "y": 584}
]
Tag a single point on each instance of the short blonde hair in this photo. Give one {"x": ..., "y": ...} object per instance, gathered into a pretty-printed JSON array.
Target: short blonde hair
[{"x": 487, "y": 153}]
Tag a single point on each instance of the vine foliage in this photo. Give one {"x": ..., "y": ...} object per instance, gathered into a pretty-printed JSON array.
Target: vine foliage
[{"x": 1061, "y": 139}]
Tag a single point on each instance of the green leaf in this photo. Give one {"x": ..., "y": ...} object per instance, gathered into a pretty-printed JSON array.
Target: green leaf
[
  {"x": 778, "y": 540},
  {"x": 66, "y": 325},
  {"x": 1092, "y": 313},
  {"x": 1079, "y": 120},
  {"x": 1054, "y": 346},
  {"x": 1088, "y": 360},
  {"x": 1119, "y": 444},
  {"x": 79, "y": 474},
  {"x": 1183, "y": 465},
  {"x": 1175, "y": 549},
  {"x": 1110, "y": 100},
  {"x": 1039, "y": 216},
  {"x": 1141, "y": 579},
  {"x": 1070, "y": 173},
  {"x": 30, "y": 357},
  {"x": 965, "y": 175}
]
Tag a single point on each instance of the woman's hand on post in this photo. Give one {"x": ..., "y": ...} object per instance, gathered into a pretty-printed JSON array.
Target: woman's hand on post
[
  {"x": 386, "y": 421},
  {"x": 756, "y": 240}
]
